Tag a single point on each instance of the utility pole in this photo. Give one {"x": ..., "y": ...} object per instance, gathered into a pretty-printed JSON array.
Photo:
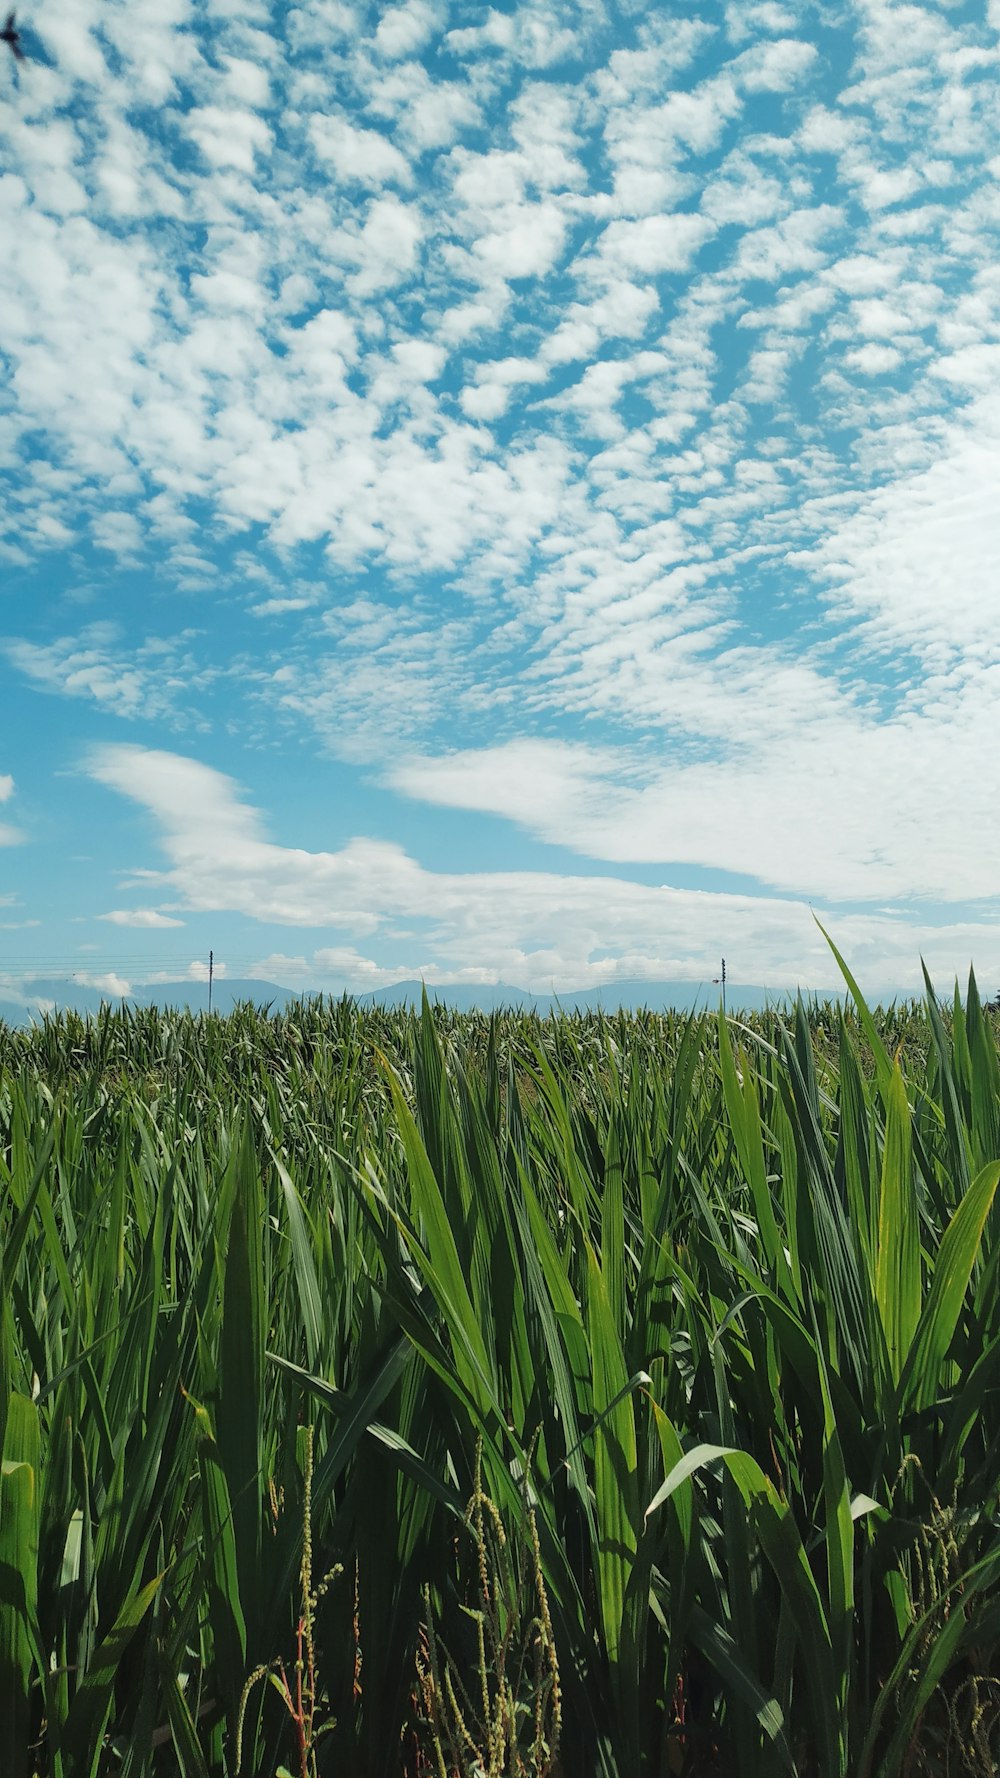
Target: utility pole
[
  {"x": 722, "y": 978},
  {"x": 211, "y": 966}
]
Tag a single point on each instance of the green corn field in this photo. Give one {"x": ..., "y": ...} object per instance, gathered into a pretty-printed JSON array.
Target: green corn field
[{"x": 386, "y": 1394}]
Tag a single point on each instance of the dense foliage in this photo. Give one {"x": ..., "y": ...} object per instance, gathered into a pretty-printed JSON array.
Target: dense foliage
[{"x": 387, "y": 1394}]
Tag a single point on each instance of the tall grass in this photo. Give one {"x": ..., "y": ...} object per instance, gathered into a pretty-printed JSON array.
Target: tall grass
[{"x": 702, "y": 1317}]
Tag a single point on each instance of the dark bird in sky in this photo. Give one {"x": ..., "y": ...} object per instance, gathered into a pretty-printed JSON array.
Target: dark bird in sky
[{"x": 12, "y": 37}]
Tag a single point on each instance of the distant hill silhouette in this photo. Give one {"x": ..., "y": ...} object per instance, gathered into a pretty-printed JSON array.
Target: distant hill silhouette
[
  {"x": 20, "y": 1006},
  {"x": 628, "y": 995}
]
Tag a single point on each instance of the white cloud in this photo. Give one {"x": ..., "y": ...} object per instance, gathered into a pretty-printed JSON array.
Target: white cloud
[
  {"x": 386, "y": 249},
  {"x": 246, "y": 82},
  {"x": 875, "y": 360},
  {"x": 575, "y": 394},
  {"x": 364, "y": 155},
  {"x": 744, "y": 194},
  {"x": 198, "y": 971},
  {"x": 402, "y": 30},
  {"x": 9, "y": 836},
  {"x": 822, "y": 801},
  {"x": 118, "y": 532},
  {"x": 697, "y": 119},
  {"x": 792, "y": 245},
  {"x": 229, "y": 136},
  {"x": 656, "y": 243},
  {"x": 528, "y": 244},
  {"x": 827, "y": 132},
  {"x": 882, "y": 186},
  {"x": 108, "y": 982},
  {"x": 420, "y": 361},
  {"x": 743, "y": 19},
  {"x": 426, "y": 114},
  {"x": 465, "y": 320},
  {"x": 498, "y": 32},
  {"x": 159, "y": 678},
  {"x": 331, "y": 967},
  {"x": 532, "y": 35},
  {"x": 494, "y": 382},
  {"x": 917, "y": 563},
  {"x": 142, "y": 919},
  {"x": 198, "y": 381},
  {"x": 486, "y": 401},
  {"x": 775, "y": 67},
  {"x": 535, "y": 929}
]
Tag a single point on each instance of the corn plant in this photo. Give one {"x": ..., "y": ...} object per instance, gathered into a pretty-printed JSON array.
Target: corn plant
[{"x": 706, "y": 1309}]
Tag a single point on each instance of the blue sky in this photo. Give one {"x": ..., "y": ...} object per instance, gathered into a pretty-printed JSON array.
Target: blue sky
[{"x": 500, "y": 493}]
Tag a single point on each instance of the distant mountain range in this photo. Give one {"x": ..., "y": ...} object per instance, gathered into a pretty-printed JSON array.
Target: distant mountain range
[
  {"x": 626, "y": 995},
  {"x": 19, "y": 1007}
]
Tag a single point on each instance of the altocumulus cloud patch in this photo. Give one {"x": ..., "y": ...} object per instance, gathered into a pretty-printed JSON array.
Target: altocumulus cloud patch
[{"x": 555, "y": 436}]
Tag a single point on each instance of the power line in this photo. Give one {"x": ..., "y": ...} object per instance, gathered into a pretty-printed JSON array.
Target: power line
[{"x": 136, "y": 969}]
